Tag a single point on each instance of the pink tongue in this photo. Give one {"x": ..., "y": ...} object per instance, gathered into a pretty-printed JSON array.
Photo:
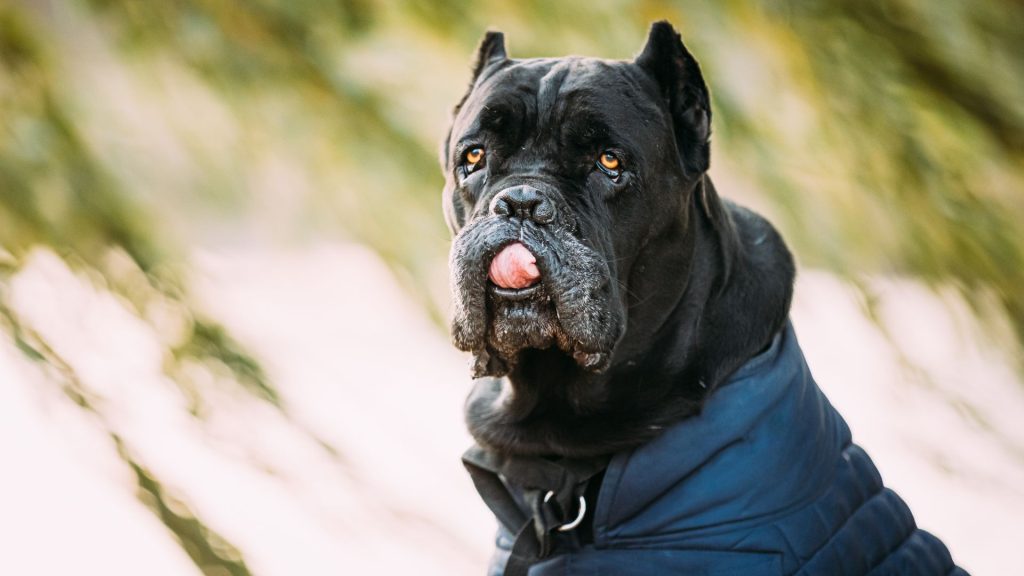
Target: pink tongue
[{"x": 514, "y": 267}]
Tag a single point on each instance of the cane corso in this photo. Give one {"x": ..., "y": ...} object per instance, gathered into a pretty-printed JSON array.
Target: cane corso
[
  {"x": 601, "y": 284},
  {"x": 630, "y": 341}
]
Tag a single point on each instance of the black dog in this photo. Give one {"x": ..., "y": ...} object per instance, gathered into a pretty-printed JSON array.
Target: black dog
[{"x": 604, "y": 289}]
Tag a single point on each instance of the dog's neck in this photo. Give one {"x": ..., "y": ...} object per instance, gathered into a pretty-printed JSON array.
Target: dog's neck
[{"x": 684, "y": 338}]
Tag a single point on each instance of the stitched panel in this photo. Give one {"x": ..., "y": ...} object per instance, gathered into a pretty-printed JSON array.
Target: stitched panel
[{"x": 920, "y": 555}]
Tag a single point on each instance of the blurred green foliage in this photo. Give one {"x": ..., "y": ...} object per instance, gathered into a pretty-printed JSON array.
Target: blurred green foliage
[
  {"x": 888, "y": 136},
  {"x": 54, "y": 191}
]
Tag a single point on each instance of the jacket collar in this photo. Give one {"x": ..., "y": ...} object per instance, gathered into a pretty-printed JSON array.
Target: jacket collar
[{"x": 766, "y": 441}]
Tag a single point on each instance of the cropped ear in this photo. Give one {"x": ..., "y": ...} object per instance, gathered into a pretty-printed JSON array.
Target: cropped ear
[
  {"x": 678, "y": 76},
  {"x": 491, "y": 50}
]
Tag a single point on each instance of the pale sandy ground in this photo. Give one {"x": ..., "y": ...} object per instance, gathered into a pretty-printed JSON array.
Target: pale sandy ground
[{"x": 362, "y": 370}]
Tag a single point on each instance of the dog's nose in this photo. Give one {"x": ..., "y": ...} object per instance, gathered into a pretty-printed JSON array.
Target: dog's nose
[{"x": 524, "y": 202}]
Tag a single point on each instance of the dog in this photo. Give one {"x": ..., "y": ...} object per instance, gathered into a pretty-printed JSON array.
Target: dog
[{"x": 640, "y": 403}]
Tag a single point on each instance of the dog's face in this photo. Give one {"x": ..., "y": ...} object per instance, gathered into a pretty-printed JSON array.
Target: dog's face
[{"x": 563, "y": 177}]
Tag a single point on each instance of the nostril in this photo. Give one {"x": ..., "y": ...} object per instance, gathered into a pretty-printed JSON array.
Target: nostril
[
  {"x": 500, "y": 207},
  {"x": 544, "y": 212}
]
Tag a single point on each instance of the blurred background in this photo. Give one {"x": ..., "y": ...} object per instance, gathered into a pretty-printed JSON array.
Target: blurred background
[{"x": 223, "y": 277}]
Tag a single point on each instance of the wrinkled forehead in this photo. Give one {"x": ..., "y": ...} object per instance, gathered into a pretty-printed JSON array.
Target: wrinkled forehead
[{"x": 605, "y": 99}]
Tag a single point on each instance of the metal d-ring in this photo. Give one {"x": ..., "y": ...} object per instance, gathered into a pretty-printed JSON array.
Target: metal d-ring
[{"x": 579, "y": 518}]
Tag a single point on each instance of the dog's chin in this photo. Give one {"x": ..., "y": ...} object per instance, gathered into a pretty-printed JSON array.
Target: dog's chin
[
  {"x": 523, "y": 319},
  {"x": 517, "y": 320},
  {"x": 517, "y": 323}
]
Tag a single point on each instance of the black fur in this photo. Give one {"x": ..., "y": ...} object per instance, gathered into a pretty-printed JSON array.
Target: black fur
[{"x": 653, "y": 289}]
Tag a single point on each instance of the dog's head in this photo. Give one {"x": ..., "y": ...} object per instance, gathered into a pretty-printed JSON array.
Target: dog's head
[{"x": 564, "y": 177}]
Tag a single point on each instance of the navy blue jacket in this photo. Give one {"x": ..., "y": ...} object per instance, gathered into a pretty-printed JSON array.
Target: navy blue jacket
[{"x": 765, "y": 480}]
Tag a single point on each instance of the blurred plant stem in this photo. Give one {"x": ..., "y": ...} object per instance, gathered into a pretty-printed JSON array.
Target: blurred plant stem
[{"x": 211, "y": 553}]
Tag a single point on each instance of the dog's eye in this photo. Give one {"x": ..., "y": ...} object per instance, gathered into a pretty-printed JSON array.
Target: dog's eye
[
  {"x": 471, "y": 160},
  {"x": 474, "y": 156},
  {"x": 609, "y": 163}
]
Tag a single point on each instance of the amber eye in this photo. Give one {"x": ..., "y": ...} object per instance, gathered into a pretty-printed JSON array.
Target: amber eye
[
  {"x": 475, "y": 155},
  {"x": 609, "y": 161}
]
